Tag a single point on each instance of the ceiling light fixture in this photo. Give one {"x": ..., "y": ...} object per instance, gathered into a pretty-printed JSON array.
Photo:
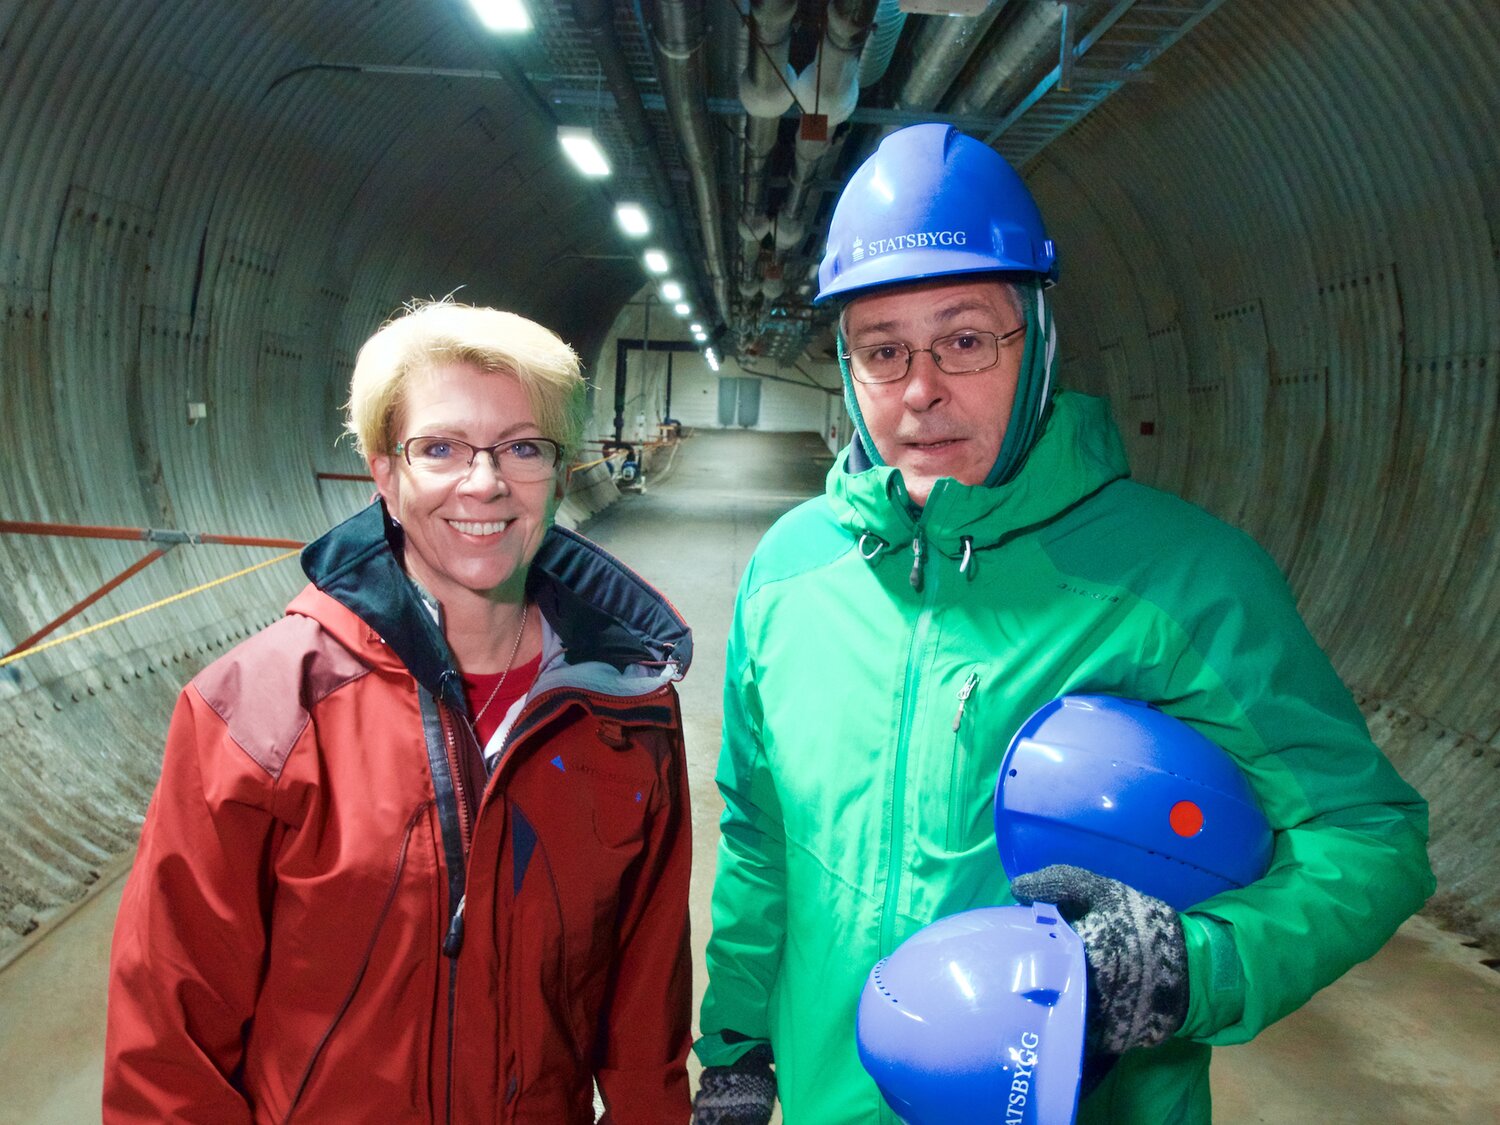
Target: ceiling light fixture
[
  {"x": 632, "y": 219},
  {"x": 701, "y": 336},
  {"x": 502, "y": 15},
  {"x": 713, "y": 360},
  {"x": 695, "y": 327},
  {"x": 682, "y": 308},
  {"x": 656, "y": 261},
  {"x": 583, "y": 150},
  {"x": 671, "y": 291}
]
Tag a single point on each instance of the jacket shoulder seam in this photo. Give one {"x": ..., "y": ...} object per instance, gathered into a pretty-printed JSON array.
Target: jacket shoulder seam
[
  {"x": 804, "y": 519},
  {"x": 264, "y": 689}
]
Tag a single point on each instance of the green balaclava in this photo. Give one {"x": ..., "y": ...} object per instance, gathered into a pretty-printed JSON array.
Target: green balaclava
[{"x": 1034, "y": 389}]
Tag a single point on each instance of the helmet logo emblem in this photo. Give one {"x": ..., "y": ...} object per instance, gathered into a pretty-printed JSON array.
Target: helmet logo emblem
[
  {"x": 1186, "y": 818},
  {"x": 1021, "y": 1078},
  {"x": 857, "y": 251},
  {"x": 921, "y": 240}
]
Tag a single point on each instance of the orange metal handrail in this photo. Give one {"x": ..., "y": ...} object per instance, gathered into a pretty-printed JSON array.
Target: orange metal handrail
[
  {"x": 149, "y": 534},
  {"x": 590, "y": 464}
]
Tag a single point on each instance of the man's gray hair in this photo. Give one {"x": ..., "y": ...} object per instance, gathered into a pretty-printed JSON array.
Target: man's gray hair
[{"x": 1012, "y": 291}]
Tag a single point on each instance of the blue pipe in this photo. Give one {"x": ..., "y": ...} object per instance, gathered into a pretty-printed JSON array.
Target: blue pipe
[{"x": 873, "y": 60}]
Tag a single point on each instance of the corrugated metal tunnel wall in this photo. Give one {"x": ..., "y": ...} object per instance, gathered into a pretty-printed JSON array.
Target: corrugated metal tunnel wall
[
  {"x": 188, "y": 214},
  {"x": 1278, "y": 256},
  {"x": 1279, "y": 260}
]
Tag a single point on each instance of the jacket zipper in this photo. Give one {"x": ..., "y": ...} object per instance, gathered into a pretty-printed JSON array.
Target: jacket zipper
[
  {"x": 893, "y": 864},
  {"x": 454, "y": 937},
  {"x": 910, "y": 689},
  {"x": 955, "y": 764},
  {"x": 453, "y": 940}
]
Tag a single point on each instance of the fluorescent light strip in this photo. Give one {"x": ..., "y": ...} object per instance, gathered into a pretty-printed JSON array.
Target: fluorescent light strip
[
  {"x": 632, "y": 219},
  {"x": 502, "y": 15},
  {"x": 583, "y": 150}
]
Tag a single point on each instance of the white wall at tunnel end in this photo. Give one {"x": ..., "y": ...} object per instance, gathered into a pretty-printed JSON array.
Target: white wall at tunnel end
[{"x": 784, "y": 406}]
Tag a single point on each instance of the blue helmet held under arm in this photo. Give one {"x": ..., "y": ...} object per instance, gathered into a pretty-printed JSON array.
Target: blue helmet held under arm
[
  {"x": 980, "y": 1016},
  {"x": 1122, "y": 789}
]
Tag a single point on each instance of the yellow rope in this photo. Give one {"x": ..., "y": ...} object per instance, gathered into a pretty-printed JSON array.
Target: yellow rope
[{"x": 144, "y": 609}]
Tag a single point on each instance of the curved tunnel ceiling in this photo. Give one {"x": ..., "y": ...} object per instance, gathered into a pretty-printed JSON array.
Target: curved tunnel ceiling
[{"x": 1279, "y": 260}]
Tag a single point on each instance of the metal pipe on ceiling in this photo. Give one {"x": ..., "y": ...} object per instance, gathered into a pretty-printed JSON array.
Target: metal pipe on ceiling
[
  {"x": 941, "y": 47},
  {"x": 679, "y": 38},
  {"x": 766, "y": 93},
  {"x": 828, "y": 85}
]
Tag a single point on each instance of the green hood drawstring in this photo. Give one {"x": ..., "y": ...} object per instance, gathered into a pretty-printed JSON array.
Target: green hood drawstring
[{"x": 872, "y": 546}]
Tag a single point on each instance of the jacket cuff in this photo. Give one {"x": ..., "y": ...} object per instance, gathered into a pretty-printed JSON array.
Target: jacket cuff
[
  {"x": 635, "y": 1097},
  {"x": 1216, "y": 982},
  {"x": 724, "y": 1048}
]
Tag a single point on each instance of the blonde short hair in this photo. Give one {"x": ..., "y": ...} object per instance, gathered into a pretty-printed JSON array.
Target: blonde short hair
[{"x": 432, "y": 334}]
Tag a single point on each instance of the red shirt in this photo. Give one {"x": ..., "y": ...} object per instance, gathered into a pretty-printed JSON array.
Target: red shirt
[{"x": 478, "y": 687}]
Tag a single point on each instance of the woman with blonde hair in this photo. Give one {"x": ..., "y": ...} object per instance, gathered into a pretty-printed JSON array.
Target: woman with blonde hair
[{"x": 420, "y": 849}]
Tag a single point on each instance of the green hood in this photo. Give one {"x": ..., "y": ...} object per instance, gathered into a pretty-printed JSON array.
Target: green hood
[{"x": 1078, "y": 453}]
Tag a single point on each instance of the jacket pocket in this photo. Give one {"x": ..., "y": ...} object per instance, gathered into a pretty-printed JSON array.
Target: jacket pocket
[
  {"x": 620, "y": 811},
  {"x": 621, "y": 782}
]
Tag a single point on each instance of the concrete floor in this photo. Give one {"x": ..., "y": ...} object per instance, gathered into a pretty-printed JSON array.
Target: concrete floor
[{"x": 1412, "y": 1035}]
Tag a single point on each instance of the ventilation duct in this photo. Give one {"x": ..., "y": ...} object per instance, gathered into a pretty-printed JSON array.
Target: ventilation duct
[
  {"x": 766, "y": 93},
  {"x": 943, "y": 46},
  {"x": 1029, "y": 46},
  {"x": 876, "y": 57}
]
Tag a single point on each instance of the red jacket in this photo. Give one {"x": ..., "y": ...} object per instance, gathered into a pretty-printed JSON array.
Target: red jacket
[{"x": 291, "y": 944}]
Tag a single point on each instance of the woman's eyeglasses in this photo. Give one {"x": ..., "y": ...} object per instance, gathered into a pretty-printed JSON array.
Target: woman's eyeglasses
[{"x": 519, "y": 459}]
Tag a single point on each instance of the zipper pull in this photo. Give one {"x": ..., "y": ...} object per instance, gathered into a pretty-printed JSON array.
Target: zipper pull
[
  {"x": 917, "y": 560},
  {"x": 963, "y": 697},
  {"x": 455, "y": 939}
]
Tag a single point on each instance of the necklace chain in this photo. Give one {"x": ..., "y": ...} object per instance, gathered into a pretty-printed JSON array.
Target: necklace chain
[{"x": 515, "y": 648}]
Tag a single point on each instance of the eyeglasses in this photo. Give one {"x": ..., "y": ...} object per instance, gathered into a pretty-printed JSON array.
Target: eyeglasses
[
  {"x": 962, "y": 353},
  {"x": 520, "y": 459}
]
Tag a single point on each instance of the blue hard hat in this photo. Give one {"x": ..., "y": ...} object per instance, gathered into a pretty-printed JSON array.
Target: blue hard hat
[
  {"x": 1121, "y": 789},
  {"x": 979, "y": 1017},
  {"x": 929, "y": 202}
]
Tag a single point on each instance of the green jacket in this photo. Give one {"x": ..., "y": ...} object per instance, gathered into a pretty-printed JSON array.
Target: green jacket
[{"x": 859, "y": 791}]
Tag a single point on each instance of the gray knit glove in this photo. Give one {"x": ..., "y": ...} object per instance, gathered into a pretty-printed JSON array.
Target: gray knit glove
[
  {"x": 1137, "y": 959},
  {"x": 742, "y": 1093}
]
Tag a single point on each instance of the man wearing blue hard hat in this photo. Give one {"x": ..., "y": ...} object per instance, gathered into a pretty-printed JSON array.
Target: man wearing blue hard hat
[{"x": 980, "y": 551}]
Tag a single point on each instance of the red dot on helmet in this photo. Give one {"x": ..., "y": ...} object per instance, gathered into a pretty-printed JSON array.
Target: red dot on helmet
[{"x": 1186, "y": 818}]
